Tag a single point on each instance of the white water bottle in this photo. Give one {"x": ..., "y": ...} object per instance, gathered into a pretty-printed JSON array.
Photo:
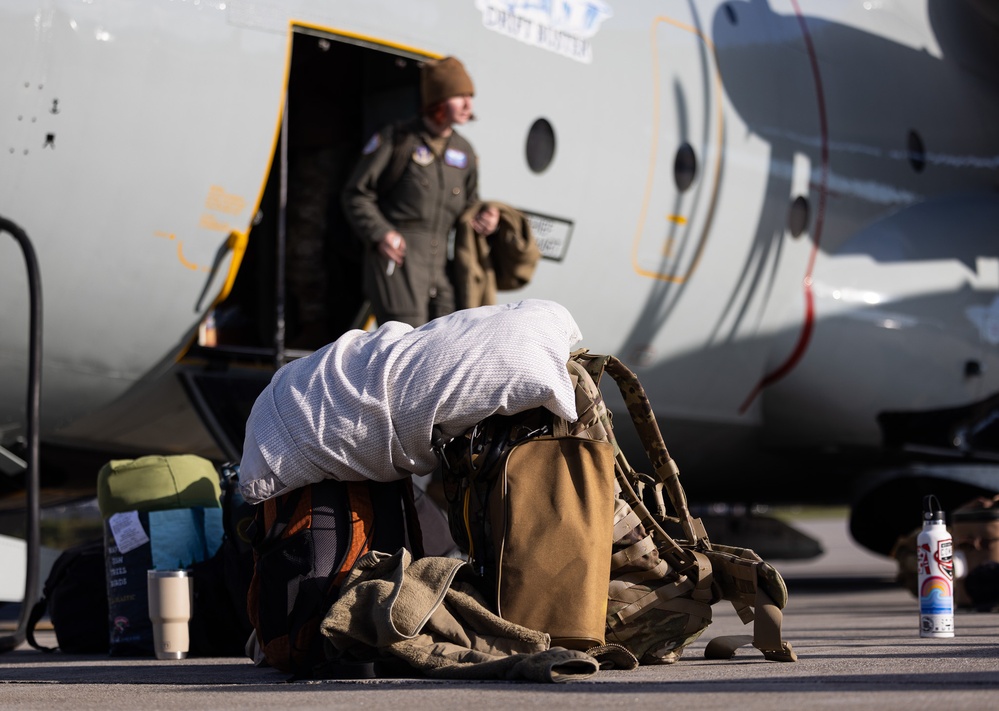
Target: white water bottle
[{"x": 935, "y": 547}]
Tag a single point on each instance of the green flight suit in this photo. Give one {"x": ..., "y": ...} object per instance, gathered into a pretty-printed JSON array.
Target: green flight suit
[{"x": 401, "y": 183}]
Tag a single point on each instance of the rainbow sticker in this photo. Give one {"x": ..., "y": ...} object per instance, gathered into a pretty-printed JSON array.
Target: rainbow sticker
[
  {"x": 935, "y": 596},
  {"x": 935, "y": 586}
]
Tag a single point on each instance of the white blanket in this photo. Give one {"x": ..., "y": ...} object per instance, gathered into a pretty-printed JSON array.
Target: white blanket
[{"x": 364, "y": 406}]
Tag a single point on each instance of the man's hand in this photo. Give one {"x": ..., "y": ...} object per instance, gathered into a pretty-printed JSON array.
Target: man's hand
[
  {"x": 393, "y": 248},
  {"x": 486, "y": 222}
]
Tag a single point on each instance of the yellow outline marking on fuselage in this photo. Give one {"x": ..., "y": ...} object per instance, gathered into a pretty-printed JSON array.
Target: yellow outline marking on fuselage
[{"x": 677, "y": 219}]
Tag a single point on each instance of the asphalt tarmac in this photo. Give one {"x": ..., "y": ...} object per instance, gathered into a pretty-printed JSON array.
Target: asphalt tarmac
[{"x": 855, "y": 632}]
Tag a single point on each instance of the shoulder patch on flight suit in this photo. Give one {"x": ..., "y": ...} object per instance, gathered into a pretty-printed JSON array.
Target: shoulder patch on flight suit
[
  {"x": 456, "y": 158},
  {"x": 372, "y": 145},
  {"x": 423, "y": 156}
]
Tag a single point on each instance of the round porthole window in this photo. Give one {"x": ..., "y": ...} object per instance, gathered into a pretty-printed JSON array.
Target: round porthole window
[
  {"x": 540, "y": 145},
  {"x": 684, "y": 167},
  {"x": 797, "y": 216}
]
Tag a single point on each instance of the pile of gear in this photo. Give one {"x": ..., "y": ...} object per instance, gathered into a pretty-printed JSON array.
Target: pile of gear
[
  {"x": 548, "y": 559},
  {"x": 540, "y": 499}
]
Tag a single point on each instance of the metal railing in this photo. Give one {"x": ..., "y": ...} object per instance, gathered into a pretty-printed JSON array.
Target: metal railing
[{"x": 32, "y": 482}]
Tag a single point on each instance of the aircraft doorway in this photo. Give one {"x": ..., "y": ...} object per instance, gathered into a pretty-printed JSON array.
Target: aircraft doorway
[
  {"x": 339, "y": 93},
  {"x": 298, "y": 287}
]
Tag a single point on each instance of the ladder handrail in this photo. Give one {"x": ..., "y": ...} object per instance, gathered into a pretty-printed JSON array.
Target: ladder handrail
[{"x": 33, "y": 519}]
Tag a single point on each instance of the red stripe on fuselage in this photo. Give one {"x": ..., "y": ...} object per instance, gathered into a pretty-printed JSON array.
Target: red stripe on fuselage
[{"x": 809, "y": 323}]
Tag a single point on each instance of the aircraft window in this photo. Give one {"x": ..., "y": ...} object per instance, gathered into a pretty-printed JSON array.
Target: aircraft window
[
  {"x": 730, "y": 14},
  {"x": 917, "y": 152},
  {"x": 797, "y": 216},
  {"x": 684, "y": 167},
  {"x": 540, "y": 145}
]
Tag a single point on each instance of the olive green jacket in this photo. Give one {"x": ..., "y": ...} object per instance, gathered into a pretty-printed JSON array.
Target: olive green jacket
[{"x": 422, "y": 203}]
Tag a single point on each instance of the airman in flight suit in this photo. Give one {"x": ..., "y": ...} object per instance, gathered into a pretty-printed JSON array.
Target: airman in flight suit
[{"x": 411, "y": 184}]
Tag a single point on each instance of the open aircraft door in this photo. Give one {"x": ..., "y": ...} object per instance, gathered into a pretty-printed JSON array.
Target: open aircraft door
[{"x": 298, "y": 287}]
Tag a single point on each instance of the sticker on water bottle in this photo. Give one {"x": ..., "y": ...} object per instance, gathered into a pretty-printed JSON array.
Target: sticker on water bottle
[
  {"x": 935, "y": 596},
  {"x": 945, "y": 557}
]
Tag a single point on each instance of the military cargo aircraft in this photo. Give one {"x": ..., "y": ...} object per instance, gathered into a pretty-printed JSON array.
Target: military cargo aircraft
[{"x": 780, "y": 213}]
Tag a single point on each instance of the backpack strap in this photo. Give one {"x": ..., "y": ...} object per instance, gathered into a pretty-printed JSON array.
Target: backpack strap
[
  {"x": 362, "y": 515},
  {"x": 665, "y": 467},
  {"x": 59, "y": 571},
  {"x": 680, "y": 558},
  {"x": 366, "y": 506},
  {"x": 413, "y": 530},
  {"x": 393, "y": 173},
  {"x": 766, "y": 635},
  {"x": 37, "y": 612},
  {"x": 758, "y": 594},
  {"x": 754, "y": 587},
  {"x": 690, "y": 595}
]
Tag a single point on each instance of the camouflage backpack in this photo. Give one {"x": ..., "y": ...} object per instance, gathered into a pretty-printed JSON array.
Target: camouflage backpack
[{"x": 661, "y": 588}]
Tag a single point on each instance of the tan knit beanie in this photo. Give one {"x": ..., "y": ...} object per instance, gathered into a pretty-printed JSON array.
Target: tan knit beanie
[{"x": 441, "y": 79}]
